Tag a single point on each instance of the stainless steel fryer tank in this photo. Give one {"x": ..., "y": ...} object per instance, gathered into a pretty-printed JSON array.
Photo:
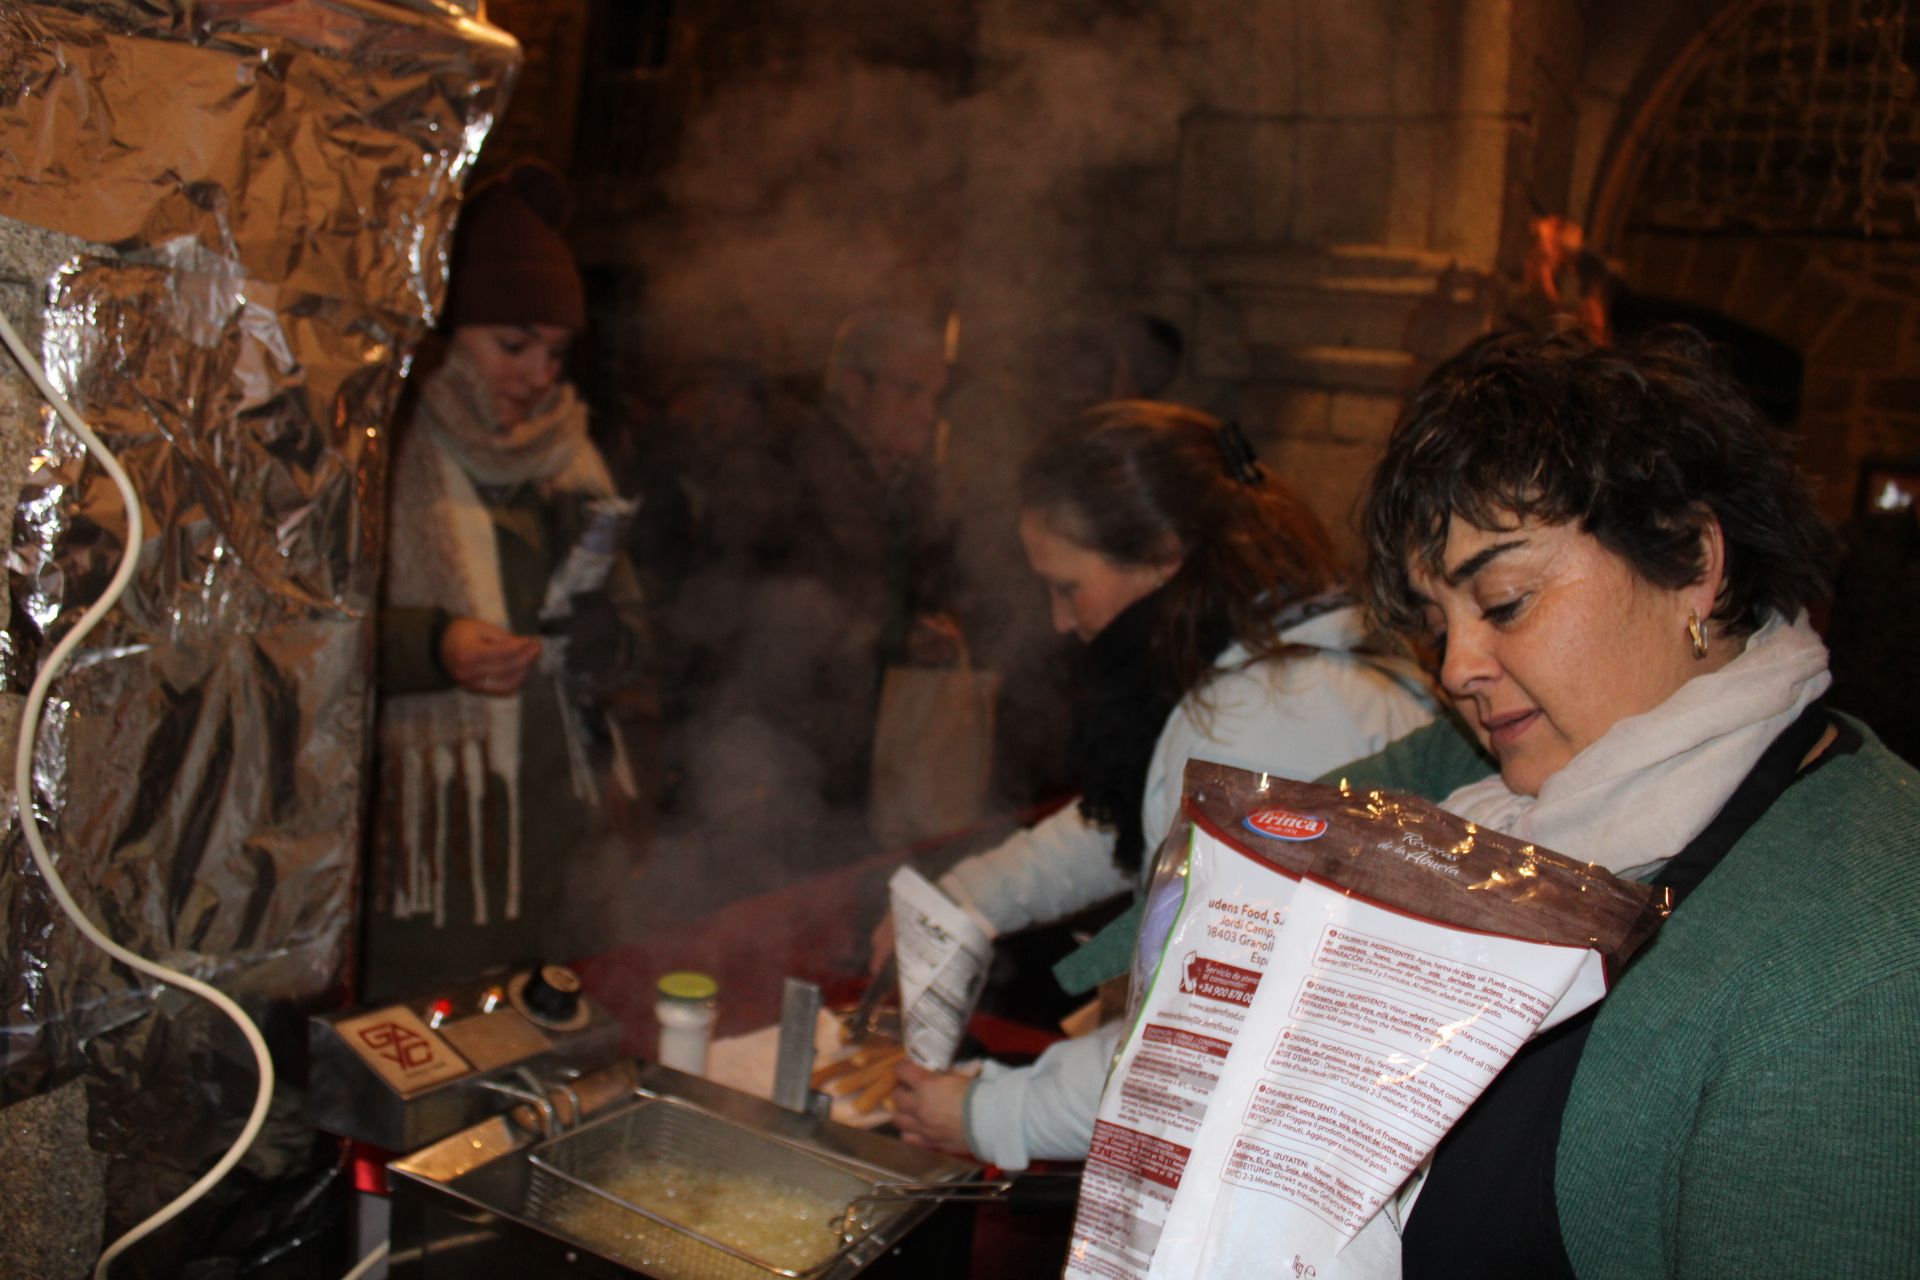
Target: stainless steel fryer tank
[{"x": 486, "y": 1201}]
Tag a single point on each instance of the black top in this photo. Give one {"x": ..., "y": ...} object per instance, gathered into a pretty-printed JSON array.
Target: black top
[{"x": 1487, "y": 1208}]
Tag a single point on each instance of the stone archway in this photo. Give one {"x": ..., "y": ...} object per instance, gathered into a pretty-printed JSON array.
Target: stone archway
[{"x": 1767, "y": 168}]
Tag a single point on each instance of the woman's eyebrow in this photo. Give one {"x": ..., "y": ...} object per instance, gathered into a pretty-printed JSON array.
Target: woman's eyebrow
[{"x": 1480, "y": 560}]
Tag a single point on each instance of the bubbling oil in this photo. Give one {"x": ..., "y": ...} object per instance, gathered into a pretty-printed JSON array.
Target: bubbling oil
[{"x": 780, "y": 1225}]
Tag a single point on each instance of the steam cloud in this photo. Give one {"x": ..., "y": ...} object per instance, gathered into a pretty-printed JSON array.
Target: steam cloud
[{"x": 988, "y": 184}]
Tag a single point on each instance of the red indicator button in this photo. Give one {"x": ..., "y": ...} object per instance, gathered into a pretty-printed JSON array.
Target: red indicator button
[{"x": 438, "y": 1011}]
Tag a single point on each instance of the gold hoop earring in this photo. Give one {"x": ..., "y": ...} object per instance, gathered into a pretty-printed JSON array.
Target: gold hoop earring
[{"x": 1697, "y": 634}]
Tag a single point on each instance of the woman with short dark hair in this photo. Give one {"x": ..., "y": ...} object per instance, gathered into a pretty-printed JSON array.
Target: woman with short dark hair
[
  {"x": 1638, "y": 449},
  {"x": 1610, "y": 557}
]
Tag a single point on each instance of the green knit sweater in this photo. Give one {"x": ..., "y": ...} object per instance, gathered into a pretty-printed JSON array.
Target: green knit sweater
[{"x": 1749, "y": 1102}]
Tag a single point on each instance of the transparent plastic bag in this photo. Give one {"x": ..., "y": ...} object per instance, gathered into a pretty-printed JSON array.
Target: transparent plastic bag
[{"x": 1325, "y": 980}]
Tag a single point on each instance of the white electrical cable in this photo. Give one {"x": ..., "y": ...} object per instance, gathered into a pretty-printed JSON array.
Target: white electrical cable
[{"x": 30, "y": 827}]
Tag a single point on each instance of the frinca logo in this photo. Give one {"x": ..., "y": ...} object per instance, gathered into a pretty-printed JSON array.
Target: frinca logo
[{"x": 1276, "y": 823}]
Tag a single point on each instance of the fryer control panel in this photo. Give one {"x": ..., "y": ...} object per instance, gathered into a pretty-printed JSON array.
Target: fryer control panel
[{"x": 405, "y": 1073}]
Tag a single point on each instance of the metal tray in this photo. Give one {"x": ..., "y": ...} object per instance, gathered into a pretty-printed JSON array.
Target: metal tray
[
  {"x": 680, "y": 1192},
  {"x": 476, "y": 1205}
]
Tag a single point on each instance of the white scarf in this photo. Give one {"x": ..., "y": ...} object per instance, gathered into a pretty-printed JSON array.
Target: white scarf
[
  {"x": 443, "y": 553},
  {"x": 1651, "y": 783},
  {"x": 1633, "y": 799}
]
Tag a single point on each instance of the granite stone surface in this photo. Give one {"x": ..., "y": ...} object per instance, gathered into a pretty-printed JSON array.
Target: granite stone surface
[{"x": 52, "y": 1204}]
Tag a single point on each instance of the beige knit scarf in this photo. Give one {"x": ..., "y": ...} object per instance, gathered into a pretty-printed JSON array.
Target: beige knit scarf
[
  {"x": 442, "y": 552},
  {"x": 1651, "y": 783}
]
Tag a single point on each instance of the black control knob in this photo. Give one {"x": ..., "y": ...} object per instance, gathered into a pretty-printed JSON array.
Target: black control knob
[{"x": 552, "y": 993}]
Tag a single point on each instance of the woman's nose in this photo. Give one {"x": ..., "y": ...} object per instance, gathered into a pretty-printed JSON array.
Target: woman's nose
[
  {"x": 1467, "y": 665},
  {"x": 1063, "y": 619}
]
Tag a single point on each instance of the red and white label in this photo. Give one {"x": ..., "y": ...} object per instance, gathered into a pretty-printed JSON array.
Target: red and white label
[{"x": 1284, "y": 824}]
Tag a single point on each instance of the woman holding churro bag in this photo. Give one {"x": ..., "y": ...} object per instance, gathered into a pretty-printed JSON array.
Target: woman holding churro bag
[
  {"x": 1208, "y": 598},
  {"x": 1611, "y": 557}
]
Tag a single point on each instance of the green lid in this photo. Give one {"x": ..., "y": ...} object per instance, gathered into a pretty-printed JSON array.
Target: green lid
[{"x": 687, "y": 985}]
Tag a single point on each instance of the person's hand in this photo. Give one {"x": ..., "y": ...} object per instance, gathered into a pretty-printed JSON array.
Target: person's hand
[
  {"x": 930, "y": 1108},
  {"x": 936, "y": 640},
  {"x": 486, "y": 659},
  {"x": 880, "y": 944}
]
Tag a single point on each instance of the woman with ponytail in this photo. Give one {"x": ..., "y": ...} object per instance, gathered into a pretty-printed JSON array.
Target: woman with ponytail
[{"x": 1216, "y": 627}]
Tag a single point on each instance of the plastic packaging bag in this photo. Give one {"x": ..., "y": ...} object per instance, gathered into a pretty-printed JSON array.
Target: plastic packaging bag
[
  {"x": 1325, "y": 982},
  {"x": 942, "y": 951},
  {"x": 591, "y": 559}
]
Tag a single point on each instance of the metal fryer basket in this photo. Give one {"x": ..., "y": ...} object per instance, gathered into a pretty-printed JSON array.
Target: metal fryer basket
[{"x": 586, "y": 1185}]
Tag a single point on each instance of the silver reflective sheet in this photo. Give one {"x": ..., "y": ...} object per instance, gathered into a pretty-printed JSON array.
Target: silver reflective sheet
[{"x": 263, "y": 191}]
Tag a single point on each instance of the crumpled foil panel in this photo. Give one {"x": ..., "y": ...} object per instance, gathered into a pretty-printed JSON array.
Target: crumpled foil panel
[{"x": 268, "y": 187}]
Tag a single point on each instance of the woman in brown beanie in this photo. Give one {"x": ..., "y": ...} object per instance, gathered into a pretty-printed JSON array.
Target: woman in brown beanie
[{"x": 507, "y": 614}]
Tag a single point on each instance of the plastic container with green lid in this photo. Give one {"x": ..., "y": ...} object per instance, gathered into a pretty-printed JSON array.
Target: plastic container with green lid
[{"x": 686, "y": 1009}]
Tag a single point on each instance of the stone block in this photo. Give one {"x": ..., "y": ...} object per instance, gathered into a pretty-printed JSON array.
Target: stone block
[
  {"x": 1895, "y": 436},
  {"x": 1814, "y": 303},
  {"x": 1480, "y": 37},
  {"x": 1551, "y": 34},
  {"x": 1549, "y": 173},
  {"x": 1655, "y": 263},
  {"x": 1418, "y": 73},
  {"x": 1358, "y": 311},
  {"x": 54, "y": 1187},
  {"x": 1827, "y": 395},
  {"x": 1236, "y": 181},
  {"x": 1126, "y": 217},
  {"x": 1218, "y": 341},
  {"x": 1330, "y": 477},
  {"x": 1773, "y": 269},
  {"x": 1250, "y": 59},
  {"x": 1472, "y": 181},
  {"x": 1348, "y": 63},
  {"x": 1292, "y": 413},
  {"x": 1344, "y": 182},
  {"x": 1362, "y": 419},
  {"x": 1894, "y": 395},
  {"x": 1717, "y": 264},
  {"x": 1410, "y": 204},
  {"x": 1823, "y": 451},
  {"x": 1369, "y": 369},
  {"x": 1866, "y": 336}
]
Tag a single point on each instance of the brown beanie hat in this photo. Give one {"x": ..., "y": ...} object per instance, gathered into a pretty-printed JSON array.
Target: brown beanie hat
[{"x": 511, "y": 265}]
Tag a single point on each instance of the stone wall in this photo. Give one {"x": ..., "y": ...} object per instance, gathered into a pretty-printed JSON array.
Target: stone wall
[
  {"x": 1325, "y": 195},
  {"x": 1851, "y": 308},
  {"x": 1358, "y": 212},
  {"x": 1781, "y": 191}
]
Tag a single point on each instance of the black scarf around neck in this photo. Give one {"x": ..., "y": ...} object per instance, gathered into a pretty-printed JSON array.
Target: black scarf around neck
[{"x": 1127, "y": 689}]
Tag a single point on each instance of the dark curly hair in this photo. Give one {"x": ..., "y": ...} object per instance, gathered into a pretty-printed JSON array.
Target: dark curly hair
[
  {"x": 1136, "y": 479},
  {"x": 1640, "y": 445}
]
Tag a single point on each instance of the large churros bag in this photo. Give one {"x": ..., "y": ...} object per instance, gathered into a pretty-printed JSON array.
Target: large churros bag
[{"x": 1326, "y": 981}]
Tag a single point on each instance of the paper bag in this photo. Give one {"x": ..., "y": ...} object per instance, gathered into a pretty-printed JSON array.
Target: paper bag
[{"x": 932, "y": 752}]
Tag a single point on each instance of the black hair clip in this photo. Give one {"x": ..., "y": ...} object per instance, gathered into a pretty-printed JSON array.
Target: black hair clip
[{"x": 1237, "y": 451}]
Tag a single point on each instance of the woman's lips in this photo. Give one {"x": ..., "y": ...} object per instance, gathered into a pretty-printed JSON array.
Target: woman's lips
[{"x": 1502, "y": 730}]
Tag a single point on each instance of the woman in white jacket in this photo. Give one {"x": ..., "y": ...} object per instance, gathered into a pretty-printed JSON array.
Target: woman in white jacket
[{"x": 1207, "y": 595}]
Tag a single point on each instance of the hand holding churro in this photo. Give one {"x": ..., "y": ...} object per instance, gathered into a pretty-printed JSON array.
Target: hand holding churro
[
  {"x": 867, "y": 1075},
  {"x": 930, "y": 1107}
]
